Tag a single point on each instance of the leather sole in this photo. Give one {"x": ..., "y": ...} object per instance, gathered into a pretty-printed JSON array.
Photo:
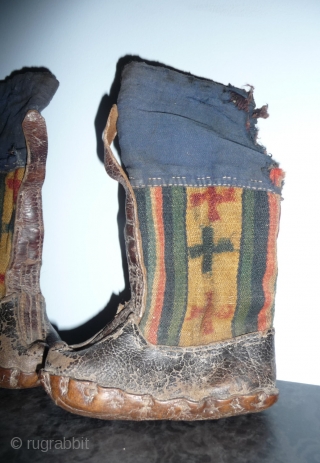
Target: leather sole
[
  {"x": 13, "y": 378},
  {"x": 89, "y": 399}
]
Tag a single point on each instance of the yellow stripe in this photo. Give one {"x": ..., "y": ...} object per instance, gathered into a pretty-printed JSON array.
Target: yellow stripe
[
  {"x": 212, "y": 296},
  {"x": 6, "y": 238}
]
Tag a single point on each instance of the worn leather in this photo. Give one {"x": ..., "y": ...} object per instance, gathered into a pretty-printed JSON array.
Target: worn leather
[
  {"x": 24, "y": 327},
  {"x": 137, "y": 272},
  {"x": 125, "y": 361},
  {"x": 24, "y": 341}
]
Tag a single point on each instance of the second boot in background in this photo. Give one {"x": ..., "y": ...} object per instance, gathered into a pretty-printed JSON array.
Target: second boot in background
[{"x": 25, "y": 331}]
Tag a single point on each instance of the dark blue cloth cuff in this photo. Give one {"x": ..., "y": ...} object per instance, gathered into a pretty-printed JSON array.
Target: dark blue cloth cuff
[
  {"x": 20, "y": 92},
  {"x": 177, "y": 129}
]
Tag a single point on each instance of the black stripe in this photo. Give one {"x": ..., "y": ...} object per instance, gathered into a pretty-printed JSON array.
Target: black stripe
[
  {"x": 245, "y": 264},
  {"x": 261, "y": 232}
]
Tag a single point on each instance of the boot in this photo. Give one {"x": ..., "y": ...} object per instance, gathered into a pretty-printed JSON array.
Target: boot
[
  {"x": 25, "y": 331},
  {"x": 202, "y": 210}
]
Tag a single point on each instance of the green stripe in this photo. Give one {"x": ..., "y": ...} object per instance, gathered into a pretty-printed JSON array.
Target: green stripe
[
  {"x": 151, "y": 253},
  {"x": 141, "y": 204},
  {"x": 245, "y": 264},
  {"x": 167, "y": 313},
  {"x": 180, "y": 262}
]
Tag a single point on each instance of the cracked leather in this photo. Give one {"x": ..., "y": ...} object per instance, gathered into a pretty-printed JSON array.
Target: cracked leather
[
  {"x": 22, "y": 343},
  {"x": 125, "y": 360},
  {"x": 25, "y": 329}
]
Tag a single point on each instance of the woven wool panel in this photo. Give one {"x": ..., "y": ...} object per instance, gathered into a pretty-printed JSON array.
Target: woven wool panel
[{"x": 210, "y": 255}]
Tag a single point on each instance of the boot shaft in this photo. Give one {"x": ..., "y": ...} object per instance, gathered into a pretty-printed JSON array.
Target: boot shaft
[
  {"x": 25, "y": 329},
  {"x": 21, "y": 177},
  {"x": 208, "y": 200},
  {"x": 201, "y": 260}
]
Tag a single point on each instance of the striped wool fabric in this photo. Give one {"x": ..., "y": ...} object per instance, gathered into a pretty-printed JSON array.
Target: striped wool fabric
[
  {"x": 210, "y": 256},
  {"x": 9, "y": 187}
]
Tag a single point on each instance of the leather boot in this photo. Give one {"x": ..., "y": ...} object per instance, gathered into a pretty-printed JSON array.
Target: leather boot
[
  {"x": 202, "y": 211},
  {"x": 25, "y": 331}
]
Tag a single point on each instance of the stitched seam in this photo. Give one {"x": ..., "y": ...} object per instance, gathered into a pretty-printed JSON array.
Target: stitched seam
[
  {"x": 207, "y": 184},
  {"x": 179, "y": 181}
]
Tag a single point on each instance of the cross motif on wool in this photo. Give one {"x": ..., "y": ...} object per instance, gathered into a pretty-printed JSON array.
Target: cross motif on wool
[
  {"x": 214, "y": 199},
  {"x": 208, "y": 248}
]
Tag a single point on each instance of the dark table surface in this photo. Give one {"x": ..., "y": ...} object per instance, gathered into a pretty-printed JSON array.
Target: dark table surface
[{"x": 289, "y": 432}]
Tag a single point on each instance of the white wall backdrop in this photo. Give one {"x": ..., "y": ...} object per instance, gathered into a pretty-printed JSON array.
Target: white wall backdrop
[{"x": 272, "y": 45}]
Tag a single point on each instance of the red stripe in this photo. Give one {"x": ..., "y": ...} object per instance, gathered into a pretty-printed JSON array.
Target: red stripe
[
  {"x": 160, "y": 276},
  {"x": 14, "y": 184},
  {"x": 268, "y": 282}
]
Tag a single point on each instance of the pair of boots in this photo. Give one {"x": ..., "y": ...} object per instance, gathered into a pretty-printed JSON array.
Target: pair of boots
[{"x": 202, "y": 211}]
